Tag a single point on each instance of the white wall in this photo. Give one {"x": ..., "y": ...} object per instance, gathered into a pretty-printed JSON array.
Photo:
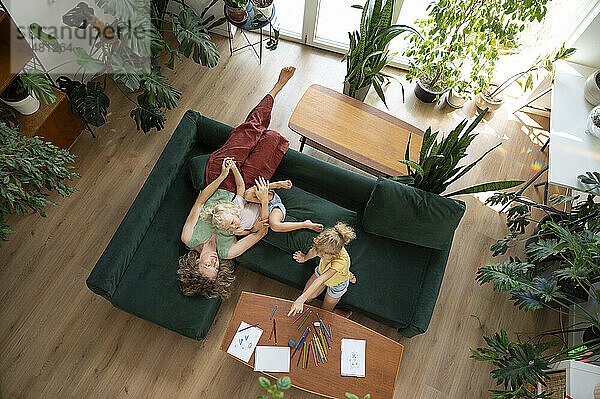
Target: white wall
[{"x": 588, "y": 42}]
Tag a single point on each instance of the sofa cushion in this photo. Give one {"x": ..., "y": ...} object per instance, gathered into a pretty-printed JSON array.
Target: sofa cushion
[
  {"x": 301, "y": 205},
  {"x": 197, "y": 171},
  {"x": 407, "y": 214}
]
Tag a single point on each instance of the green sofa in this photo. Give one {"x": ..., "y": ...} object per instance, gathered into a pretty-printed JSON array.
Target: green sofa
[{"x": 398, "y": 279}]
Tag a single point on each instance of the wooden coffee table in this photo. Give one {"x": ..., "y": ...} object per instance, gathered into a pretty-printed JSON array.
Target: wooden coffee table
[
  {"x": 382, "y": 354},
  {"x": 354, "y": 132}
]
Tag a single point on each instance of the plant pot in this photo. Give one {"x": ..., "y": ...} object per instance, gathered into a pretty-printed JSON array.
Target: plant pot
[
  {"x": 483, "y": 100},
  {"x": 27, "y": 106},
  {"x": 237, "y": 15},
  {"x": 455, "y": 101},
  {"x": 360, "y": 95},
  {"x": 591, "y": 90},
  {"x": 592, "y": 125},
  {"x": 426, "y": 95}
]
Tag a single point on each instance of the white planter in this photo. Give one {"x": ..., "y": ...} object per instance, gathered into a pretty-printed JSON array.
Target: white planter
[
  {"x": 482, "y": 101},
  {"x": 591, "y": 90},
  {"x": 26, "y": 106},
  {"x": 455, "y": 101},
  {"x": 590, "y": 127}
]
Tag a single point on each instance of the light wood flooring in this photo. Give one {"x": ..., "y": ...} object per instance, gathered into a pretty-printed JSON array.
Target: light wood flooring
[{"x": 59, "y": 340}]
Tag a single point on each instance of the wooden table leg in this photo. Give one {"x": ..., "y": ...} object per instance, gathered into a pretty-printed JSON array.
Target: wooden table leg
[{"x": 302, "y": 142}]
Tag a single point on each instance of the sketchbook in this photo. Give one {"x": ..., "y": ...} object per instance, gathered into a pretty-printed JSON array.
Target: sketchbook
[
  {"x": 244, "y": 342},
  {"x": 353, "y": 357},
  {"x": 272, "y": 358}
]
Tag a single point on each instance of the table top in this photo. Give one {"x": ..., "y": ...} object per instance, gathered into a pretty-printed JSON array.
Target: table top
[
  {"x": 249, "y": 23},
  {"x": 572, "y": 151},
  {"x": 382, "y": 354},
  {"x": 355, "y": 130}
]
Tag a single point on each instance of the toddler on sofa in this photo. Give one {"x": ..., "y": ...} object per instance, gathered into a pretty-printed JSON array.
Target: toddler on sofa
[
  {"x": 333, "y": 271},
  {"x": 245, "y": 214}
]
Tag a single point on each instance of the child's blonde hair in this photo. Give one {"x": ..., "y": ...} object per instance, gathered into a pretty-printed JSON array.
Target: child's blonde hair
[
  {"x": 217, "y": 214},
  {"x": 332, "y": 239}
]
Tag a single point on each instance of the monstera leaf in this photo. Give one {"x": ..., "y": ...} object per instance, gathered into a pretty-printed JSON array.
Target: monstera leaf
[
  {"x": 89, "y": 102},
  {"x": 147, "y": 116},
  {"x": 88, "y": 63},
  {"x": 77, "y": 17},
  {"x": 36, "y": 83},
  {"x": 123, "y": 10},
  {"x": 193, "y": 38},
  {"x": 140, "y": 35},
  {"x": 49, "y": 40},
  {"x": 160, "y": 92}
]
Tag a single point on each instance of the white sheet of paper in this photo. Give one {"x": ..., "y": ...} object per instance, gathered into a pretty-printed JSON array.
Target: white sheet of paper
[
  {"x": 244, "y": 342},
  {"x": 353, "y": 357},
  {"x": 272, "y": 358}
]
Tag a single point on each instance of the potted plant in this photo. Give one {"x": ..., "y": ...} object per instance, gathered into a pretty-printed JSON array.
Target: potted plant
[
  {"x": 592, "y": 88},
  {"x": 19, "y": 98},
  {"x": 29, "y": 170},
  {"x": 460, "y": 40},
  {"x": 492, "y": 97},
  {"x": 275, "y": 390},
  {"x": 368, "y": 54},
  {"x": 438, "y": 162},
  {"x": 237, "y": 10},
  {"x": 593, "y": 123}
]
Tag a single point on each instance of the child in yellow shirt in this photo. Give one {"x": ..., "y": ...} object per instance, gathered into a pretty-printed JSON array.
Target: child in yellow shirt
[{"x": 333, "y": 271}]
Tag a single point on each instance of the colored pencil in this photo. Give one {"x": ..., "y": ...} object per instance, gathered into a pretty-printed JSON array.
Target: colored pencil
[
  {"x": 301, "y": 314},
  {"x": 300, "y": 341},
  {"x": 307, "y": 354},
  {"x": 330, "y": 332},
  {"x": 323, "y": 325},
  {"x": 300, "y": 326},
  {"x": 320, "y": 337},
  {"x": 272, "y": 329},
  {"x": 313, "y": 351},
  {"x": 318, "y": 349},
  {"x": 299, "y": 357},
  {"x": 321, "y": 352},
  {"x": 275, "y": 329},
  {"x": 273, "y": 313},
  {"x": 326, "y": 340},
  {"x": 245, "y": 328}
]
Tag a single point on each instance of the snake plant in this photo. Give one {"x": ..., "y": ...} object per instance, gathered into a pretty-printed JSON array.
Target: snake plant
[{"x": 368, "y": 54}]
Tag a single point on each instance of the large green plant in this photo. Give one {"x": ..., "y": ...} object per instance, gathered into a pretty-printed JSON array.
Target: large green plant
[
  {"x": 123, "y": 50},
  {"x": 368, "y": 54},
  {"x": 439, "y": 158},
  {"x": 275, "y": 390},
  {"x": 29, "y": 170},
  {"x": 461, "y": 41}
]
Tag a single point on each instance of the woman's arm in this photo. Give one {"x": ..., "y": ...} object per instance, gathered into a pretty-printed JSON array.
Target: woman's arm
[
  {"x": 241, "y": 246},
  {"x": 240, "y": 186},
  {"x": 192, "y": 219},
  {"x": 298, "y": 304}
]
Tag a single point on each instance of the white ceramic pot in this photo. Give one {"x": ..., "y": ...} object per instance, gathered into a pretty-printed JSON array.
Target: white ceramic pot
[
  {"x": 591, "y": 90},
  {"x": 592, "y": 125},
  {"x": 482, "y": 101},
  {"x": 27, "y": 106},
  {"x": 454, "y": 100}
]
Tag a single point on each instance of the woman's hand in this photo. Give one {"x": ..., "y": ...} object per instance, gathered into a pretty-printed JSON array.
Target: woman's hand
[
  {"x": 262, "y": 189},
  {"x": 299, "y": 257},
  {"x": 226, "y": 166},
  {"x": 297, "y": 307}
]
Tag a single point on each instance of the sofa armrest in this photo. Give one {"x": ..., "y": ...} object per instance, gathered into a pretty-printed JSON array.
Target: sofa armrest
[
  {"x": 429, "y": 294},
  {"x": 106, "y": 275}
]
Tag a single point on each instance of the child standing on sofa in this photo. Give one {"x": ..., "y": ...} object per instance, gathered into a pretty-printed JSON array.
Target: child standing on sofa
[
  {"x": 333, "y": 271},
  {"x": 245, "y": 215}
]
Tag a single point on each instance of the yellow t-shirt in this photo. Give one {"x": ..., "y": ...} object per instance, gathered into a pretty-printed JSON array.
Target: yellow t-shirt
[{"x": 341, "y": 264}]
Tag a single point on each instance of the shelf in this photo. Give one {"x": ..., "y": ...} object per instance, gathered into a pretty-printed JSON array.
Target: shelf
[{"x": 14, "y": 53}]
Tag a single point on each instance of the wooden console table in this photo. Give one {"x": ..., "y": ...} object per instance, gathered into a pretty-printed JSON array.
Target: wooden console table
[{"x": 354, "y": 132}]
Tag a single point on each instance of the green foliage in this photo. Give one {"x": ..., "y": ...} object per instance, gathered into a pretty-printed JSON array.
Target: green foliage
[
  {"x": 36, "y": 83},
  {"x": 519, "y": 365},
  {"x": 505, "y": 276},
  {"x": 241, "y": 4},
  {"x": 146, "y": 115},
  {"x": 123, "y": 10},
  {"x": 29, "y": 170},
  {"x": 193, "y": 38},
  {"x": 368, "y": 54},
  {"x": 78, "y": 16},
  {"x": 48, "y": 40},
  {"x": 592, "y": 179},
  {"x": 160, "y": 92},
  {"x": 438, "y": 162},
  {"x": 90, "y": 103},
  {"x": 461, "y": 40},
  {"x": 275, "y": 390},
  {"x": 353, "y": 396},
  {"x": 90, "y": 64}
]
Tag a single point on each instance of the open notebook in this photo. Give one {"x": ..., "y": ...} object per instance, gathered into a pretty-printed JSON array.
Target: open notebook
[{"x": 353, "y": 357}]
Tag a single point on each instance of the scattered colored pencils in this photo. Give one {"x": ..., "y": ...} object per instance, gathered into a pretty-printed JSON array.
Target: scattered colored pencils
[
  {"x": 314, "y": 353},
  {"x": 301, "y": 314},
  {"x": 273, "y": 313},
  {"x": 245, "y": 328},
  {"x": 300, "y": 326},
  {"x": 299, "y": 343}
]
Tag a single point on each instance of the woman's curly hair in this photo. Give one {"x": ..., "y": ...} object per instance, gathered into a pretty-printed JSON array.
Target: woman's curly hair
[{"x": 193, "y": 282}]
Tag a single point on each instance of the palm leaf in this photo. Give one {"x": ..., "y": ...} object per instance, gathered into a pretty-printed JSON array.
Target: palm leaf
[
  {"x": 504, "y": 276},
  {"x": 160, "y": 92},
  {"x": 542, "y": 249},
  {"x": 194, "y": 40},
  {"x": 36, "y": 83},
  {"x": 491, "y": 186}
]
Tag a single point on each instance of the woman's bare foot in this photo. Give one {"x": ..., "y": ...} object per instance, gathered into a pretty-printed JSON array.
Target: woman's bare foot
[
  {"x": 285, "y": 75},
  {"x": 343, "y": 312},
  {"x": 352, "y": 278},
  {"x": 318, "y": 227}
]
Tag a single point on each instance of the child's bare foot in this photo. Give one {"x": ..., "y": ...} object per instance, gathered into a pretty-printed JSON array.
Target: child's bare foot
[
  {"x": 287, "y": 184},
  {"x": 352, "y": 278},
  {"x": 343, "y": 312},
  {"x": 318, "y": 227}
]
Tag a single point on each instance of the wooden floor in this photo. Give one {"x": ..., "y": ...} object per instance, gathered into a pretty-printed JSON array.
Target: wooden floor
[{"x": 59, "y": 340}]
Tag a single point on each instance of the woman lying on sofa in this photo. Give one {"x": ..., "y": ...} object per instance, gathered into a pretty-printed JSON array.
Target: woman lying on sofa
[{"x": 257, "y": 151}]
